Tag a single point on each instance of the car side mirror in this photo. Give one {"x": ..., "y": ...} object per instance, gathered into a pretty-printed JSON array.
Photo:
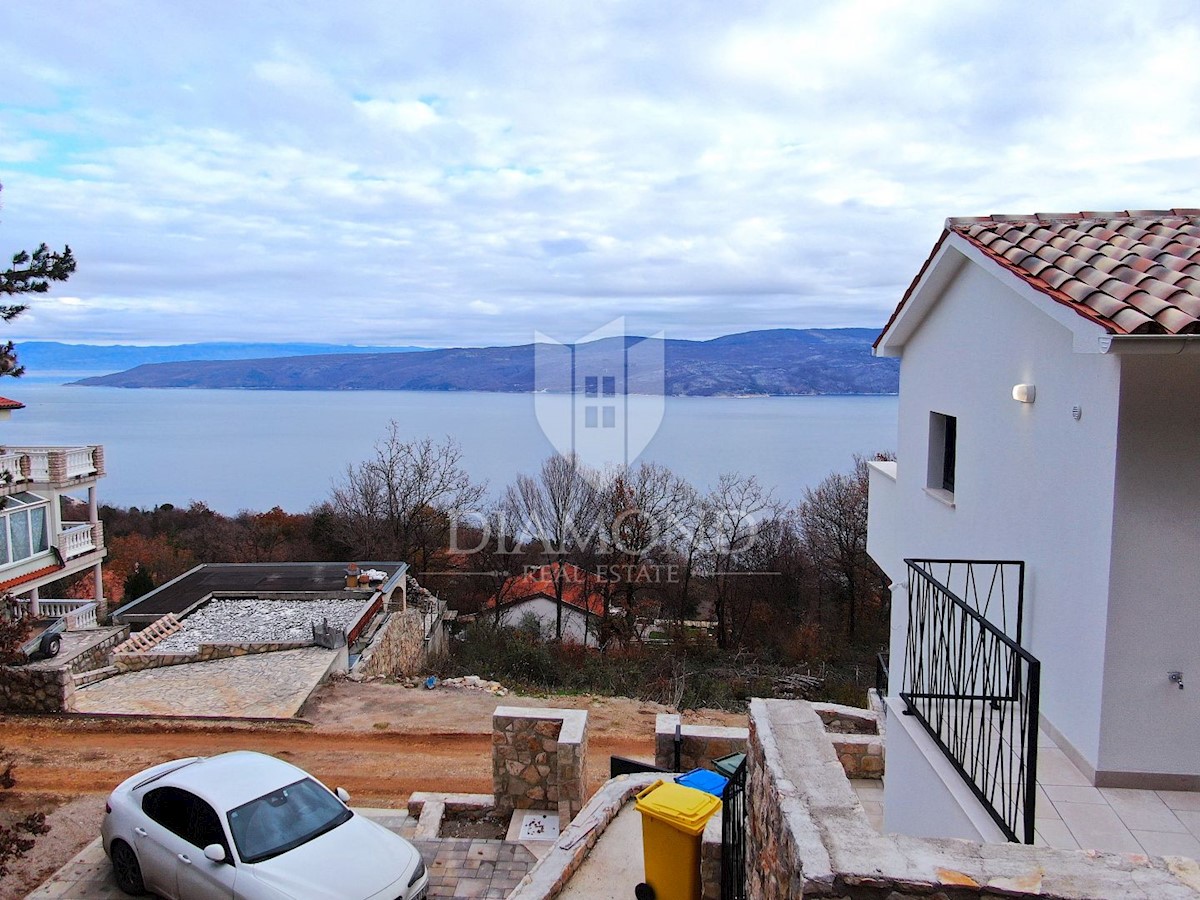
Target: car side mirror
[
  {"x": 343, "y": 795},
  {"x": 215, "y": 852}
]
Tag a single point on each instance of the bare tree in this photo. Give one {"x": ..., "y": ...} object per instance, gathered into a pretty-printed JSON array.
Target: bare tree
[
  {"x": 399, "y": 504},
  {"x": 735, "y": 511},
  {"x": 833, "y": 523},
  {"x": 559, "y": 510},
  {"x": 644, "y": 508}
]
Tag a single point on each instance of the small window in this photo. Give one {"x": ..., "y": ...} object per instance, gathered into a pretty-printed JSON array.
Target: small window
[
  {"x": 943, "y": 450},
  {"x": 610, "y": 386},
  {"x": 591, "y": 386}
]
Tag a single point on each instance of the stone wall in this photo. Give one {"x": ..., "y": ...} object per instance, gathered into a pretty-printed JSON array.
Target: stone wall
[
  {"x": 539, "y": 759},
  {"x": 808, "y": 837},
  {"x": 700, "y": 744},
  {"x": 99, "y": 656},
  {"x": 36, "y": 689},
  {"x": 398, "y": 647},
  {"x": 132, "y": 662},
  {"x": 856, "y": 739}
]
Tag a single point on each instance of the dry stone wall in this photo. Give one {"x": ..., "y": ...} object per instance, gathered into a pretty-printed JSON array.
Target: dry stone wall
[
  {"x": 100, "y": 655},
  {"x": 398, "y": 647},
  {"x": 539, "y": 759},
  {"x": 36, "y": 689}
]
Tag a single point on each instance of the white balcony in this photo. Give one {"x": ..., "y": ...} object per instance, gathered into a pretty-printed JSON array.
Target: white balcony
[
  {"x": 49, "y": 465},
  {"x": 882, "y": 518},
  {"x": 78, "y": 538},
  {"x": 79, "y": 614}
]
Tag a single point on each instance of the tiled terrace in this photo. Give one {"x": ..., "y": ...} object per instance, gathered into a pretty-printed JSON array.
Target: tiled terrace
[{"x": 1071, "y": 814}]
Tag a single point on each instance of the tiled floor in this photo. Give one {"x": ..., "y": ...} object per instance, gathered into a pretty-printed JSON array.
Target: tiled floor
[{"x": 1070, "y": 814}]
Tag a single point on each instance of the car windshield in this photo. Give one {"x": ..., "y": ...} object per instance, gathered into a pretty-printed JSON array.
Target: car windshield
[{"x": 284, "y": 819}]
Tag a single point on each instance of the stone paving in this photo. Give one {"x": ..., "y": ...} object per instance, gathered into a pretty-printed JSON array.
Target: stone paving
[
  {"x": 262, "y": 685},
  {"x": 488, "y": 870}
]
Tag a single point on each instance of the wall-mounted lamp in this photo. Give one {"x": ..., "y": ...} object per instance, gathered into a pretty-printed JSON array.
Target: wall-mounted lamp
[{"x": 1024, "y": 393}]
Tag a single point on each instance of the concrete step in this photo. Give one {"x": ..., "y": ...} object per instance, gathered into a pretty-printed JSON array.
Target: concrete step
[{"x": 83, "y": 679}]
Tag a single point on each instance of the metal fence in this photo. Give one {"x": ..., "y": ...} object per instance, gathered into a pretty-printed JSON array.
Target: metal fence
[
  {"x": 971, "y": 685},
  {"x": 733, "y": 836}
]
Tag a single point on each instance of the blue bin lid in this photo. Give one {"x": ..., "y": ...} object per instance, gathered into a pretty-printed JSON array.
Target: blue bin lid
[{"x": 704, "y": 780}]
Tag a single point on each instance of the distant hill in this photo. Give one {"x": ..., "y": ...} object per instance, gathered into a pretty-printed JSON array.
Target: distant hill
[
  {"x": 47, "y": 357},
  {"x": 778, "y": 362}
]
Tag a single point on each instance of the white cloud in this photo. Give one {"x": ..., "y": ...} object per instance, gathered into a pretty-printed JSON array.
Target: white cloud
[{"x": 443, "y": 173}]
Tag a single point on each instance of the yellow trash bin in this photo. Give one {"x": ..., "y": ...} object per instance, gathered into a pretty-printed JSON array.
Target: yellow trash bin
[{"x": 673, "y": 818}]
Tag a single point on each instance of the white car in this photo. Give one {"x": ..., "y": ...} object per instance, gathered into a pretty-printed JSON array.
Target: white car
[{"x": 245, "y": 826}]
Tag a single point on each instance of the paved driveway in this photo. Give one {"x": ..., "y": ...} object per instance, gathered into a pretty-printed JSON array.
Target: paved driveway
[
  {"x": 260, "y": 685},
  {"x": 457, "y": 867}
]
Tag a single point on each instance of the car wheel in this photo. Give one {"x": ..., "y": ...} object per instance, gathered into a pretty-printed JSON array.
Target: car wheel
[
  {"x": 51, "y": 644},
  {"x": 126, "y": 870}
]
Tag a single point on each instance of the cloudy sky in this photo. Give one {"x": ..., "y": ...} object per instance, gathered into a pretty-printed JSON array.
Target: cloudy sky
[{"x": 453, "y": 173}]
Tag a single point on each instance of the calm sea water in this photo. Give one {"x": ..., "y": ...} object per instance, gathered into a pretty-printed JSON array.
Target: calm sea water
[{"x": 258, "y": 449}]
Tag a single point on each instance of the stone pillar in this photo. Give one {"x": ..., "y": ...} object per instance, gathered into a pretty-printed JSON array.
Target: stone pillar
[
  {"x": 57, "y": 463},
  {"x": 101, "y": 603},
  {"x": 98, "y": 460},
  {"x": 35, "y": 609},
  {"x": 539, "y": 760},
  {"x": 93, "y": 512}
]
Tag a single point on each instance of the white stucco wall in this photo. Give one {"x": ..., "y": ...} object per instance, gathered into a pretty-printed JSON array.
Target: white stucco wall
[
  {"x": 1154, "y": 612},
  {"x": 577, "y": 626},
  {"x": 923, "y": 795},
  {"x": 1032, "y": 483}
]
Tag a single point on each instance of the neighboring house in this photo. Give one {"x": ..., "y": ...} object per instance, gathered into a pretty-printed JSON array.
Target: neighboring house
[
  {"x": 1049, "y": 419},
  {"x": 534, "y": 594},
  {"x": 40, "y": 487}
]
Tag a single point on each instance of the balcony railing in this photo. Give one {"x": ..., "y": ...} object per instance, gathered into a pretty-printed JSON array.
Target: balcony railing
[
  {"x": 25, "y": 465},
  {"x": 76, "y": 538},
  {"x": 78, "y": 613},
  {"x": 972, "y": 686}
]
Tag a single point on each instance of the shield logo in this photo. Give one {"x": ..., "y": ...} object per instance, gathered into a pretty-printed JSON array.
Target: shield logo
[{"x": 601, "y": 397}]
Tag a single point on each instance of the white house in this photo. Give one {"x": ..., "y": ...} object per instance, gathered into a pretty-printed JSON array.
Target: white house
[
  {"x": 49, "y": 524},
  {"x": 534, "y": 594},
  {"x": 1048, "y": 444}
]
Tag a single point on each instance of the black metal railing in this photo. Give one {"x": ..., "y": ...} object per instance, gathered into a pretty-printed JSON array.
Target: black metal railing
[
  {"x": 733, "y": 836},
  {"x": 881, "y": 674},
  {"x": 972, "y": 685}
]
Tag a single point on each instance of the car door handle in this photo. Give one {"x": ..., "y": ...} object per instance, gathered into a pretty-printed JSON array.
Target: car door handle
[
  {"x": 140, "y": 832},
  {"x": 184, "y": 859}
]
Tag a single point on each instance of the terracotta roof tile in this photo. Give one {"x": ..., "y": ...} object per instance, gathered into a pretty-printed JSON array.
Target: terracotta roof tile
[
  {"x": 5, "y": 403},
  {"x": 1133, "y": 272},
  {"x": 540, "y": 582},
  {"x": 28, "y": 577}
]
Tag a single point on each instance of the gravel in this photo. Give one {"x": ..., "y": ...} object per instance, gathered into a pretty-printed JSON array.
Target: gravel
[{"x": 238, "y": 621}]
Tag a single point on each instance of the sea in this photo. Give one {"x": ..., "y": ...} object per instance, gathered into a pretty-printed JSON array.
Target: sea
[{"x": 253, "y": 450}]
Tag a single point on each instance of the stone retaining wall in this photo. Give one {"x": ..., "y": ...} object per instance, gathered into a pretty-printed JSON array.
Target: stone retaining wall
[
  {"x": 808, "y": 836},
  {"x": 98, "y": 657},
  {"x": 539, "y": 759},
  {"x": 133, "y": 662},
  {"x": 39, "y": 690},
  {"x": 700, "y": 744},
  {"x": 398, "y": 647}
]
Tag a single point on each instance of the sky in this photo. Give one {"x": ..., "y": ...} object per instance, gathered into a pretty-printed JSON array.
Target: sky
[{"x": 468, "y": 173}]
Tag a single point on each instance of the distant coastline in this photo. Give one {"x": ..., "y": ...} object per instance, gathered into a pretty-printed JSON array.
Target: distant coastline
[{"x": 776, "y": 363}]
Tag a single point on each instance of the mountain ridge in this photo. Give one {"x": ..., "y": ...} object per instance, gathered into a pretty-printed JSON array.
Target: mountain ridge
[{"x": 777, "y": 362}]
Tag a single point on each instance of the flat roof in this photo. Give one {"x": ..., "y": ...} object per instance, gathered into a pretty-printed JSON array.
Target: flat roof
[{"x": 182, "y": 593}]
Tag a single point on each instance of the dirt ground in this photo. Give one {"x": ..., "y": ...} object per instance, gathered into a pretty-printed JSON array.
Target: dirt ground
[{"x": 379, "y": 741}]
